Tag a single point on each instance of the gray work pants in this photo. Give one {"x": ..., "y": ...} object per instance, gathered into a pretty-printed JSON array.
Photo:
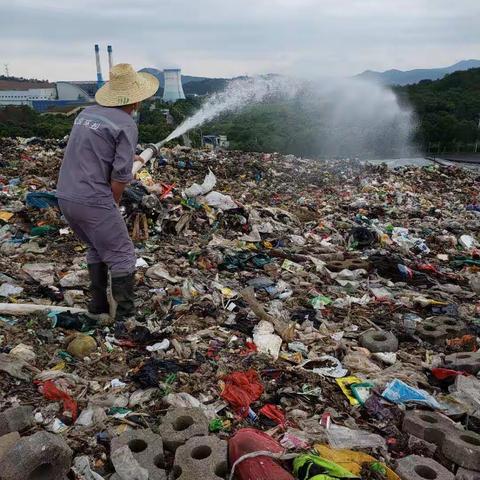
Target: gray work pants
[{"x": 104, "y": 232}]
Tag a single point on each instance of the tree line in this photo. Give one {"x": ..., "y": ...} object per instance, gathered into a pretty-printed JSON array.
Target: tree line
[{"x": 447, "y": 113}]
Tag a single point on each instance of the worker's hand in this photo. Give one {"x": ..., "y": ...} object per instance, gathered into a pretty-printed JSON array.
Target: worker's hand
[{"x": 137, "y": 158}]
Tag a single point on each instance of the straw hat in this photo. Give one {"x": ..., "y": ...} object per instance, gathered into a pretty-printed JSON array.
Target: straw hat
[{"x": 126, "y": 86}]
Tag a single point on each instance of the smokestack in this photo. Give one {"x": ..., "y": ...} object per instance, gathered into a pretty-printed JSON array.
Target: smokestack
[
  {"x": 110, "y": 57},
  {"x": 99, "y": 68}
]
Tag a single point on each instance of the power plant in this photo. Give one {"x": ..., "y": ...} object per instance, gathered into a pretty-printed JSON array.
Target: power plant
[
  {"x": 172, "y": 89},
  {"x": 44, "y": 96}
]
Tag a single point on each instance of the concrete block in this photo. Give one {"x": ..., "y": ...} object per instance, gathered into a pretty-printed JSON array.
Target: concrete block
[
  {"x": 437, "y": 329},
  {"x": 41, "y": 456},
  {"x": 147, "y": 449},
  {"x": 16, "y": 419},
  {"x": 432, "y": 333},
  {"x": 463, "y": 448},
  {"x": 415, "y": 467},
  {"x": 464, "y": 474},
  {"x": 379, "y": 341},
  {"x": 7, "y": 442},
  {"x": 453, "y": 326},
  {"x": 181, "y": 424},
  {"x": 429, "y": 426},
  {"x": 350, "y": 264},
  {"x": 202, "y": 458},
  {"x": 126, "y": 466},
  {"x": 466, "y": 361}
]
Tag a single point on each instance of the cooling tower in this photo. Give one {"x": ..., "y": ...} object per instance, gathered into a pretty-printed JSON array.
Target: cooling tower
[{"x": 173, "y": 89}]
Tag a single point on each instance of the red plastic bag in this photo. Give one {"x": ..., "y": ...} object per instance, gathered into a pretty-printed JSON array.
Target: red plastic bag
[
  {"x": 248, "y": 440},
  {"x": 241, "y": 389},
  {"x": 446, "y": 374},
  {"x": 51, "y": 392},
  {"x": 273, "y": 413}
]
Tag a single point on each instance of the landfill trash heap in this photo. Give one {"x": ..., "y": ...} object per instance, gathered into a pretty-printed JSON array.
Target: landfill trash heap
[{"x": 295, "y": 318}]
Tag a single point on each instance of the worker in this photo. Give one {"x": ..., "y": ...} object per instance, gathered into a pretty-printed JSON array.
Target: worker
[{"x": 96, "y": 168}]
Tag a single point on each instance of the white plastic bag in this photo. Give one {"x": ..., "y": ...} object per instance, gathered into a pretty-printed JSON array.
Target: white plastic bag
[{"x": 208, "y": 183}]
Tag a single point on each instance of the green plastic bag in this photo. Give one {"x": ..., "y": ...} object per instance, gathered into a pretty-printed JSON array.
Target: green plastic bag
[{"x": 312, "y": 467}]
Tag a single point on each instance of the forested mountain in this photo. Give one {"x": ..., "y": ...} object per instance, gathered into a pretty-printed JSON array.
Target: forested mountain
[{"x": 399, "y": 77}]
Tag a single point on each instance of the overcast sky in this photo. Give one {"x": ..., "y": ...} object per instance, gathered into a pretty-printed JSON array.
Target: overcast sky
[{"x": 54, "y": 38}]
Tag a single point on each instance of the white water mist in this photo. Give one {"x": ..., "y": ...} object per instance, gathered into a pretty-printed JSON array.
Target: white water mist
[
  {"x": 238, "y": 94},
  {"x": 348, "y": 118},
  {"x": 354, "y": 117}
]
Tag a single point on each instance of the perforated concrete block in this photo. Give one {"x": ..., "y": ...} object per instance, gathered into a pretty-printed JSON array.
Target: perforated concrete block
[
  {"x": 379, "y": 341},
  {"x": 463, "y": 448},
  {"x": 181, "y": 424},
  {"x": 436, "y": 330},
  {"x": 415, "y": 467},
  {"x": 429, "y": 426},
  {"x": 16, "y": 419},
  {"x": 432, "y": 333},
  {"x": 464, "y": 474},
  {"x": 464, "y": 361},
  {"x": 41, "y": 456},
  {"x": 7, "y": 442},
  {"x": 202, "y": 458},
  {"x": 147, "y": 449}
]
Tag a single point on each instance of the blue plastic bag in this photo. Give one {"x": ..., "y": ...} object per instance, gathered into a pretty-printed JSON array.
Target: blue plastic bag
[
  {"x": 399, "y": 392},
  {"x": 41, "y": 199}
]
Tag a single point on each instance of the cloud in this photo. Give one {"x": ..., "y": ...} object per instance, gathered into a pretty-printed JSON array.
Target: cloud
[{"x": 47, "y": 38}]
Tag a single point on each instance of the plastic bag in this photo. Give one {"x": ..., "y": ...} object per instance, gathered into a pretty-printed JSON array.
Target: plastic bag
[
  {"x": 241, "y": 389},
  {"x": 41, "y": 200},
  {"x": 343, "y": 437},
  {"x": 351, "y": 460},
  {"x": 208, "y": 183},
  {"x": 273, "y": 413},
  {"x": 51, "y": 392},
  {"x": 220, "y": 201},
  {"x": 331, "y": 366},
  {"x": 399, "y": 392},
  {"x": 312, "y": 467},
  {"x": 265, "y": 340},
  {"x": 249, "y": 440}
]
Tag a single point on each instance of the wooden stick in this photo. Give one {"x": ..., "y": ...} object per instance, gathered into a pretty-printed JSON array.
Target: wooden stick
[{"x": 28, "y": 308}]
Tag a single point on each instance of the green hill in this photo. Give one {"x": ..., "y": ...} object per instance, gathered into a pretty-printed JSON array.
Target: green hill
[{"x": 448, "y": 110}]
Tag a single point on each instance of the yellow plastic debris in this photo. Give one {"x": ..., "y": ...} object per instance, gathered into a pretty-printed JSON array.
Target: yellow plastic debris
[
  {"x": 5, "y": 216},
  {"x": 344, "y": 383},
  {"x": 351, "y": 460}
]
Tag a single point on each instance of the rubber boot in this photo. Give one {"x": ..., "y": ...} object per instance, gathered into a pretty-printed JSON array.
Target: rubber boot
[
  {"x": 122, "y": 291},
  {"x": 98, "y": 288}
]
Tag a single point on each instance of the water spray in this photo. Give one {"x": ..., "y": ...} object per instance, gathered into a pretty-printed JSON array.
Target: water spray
[
  {"x": 238, "y": 94},
  {"x": 357, "y": 117}
]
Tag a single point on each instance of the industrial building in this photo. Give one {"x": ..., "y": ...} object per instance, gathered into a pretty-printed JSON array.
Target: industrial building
[
  {"x": 40, "y": 99},
  {"x": 173, "y": 89},
  {"x": 215, "y": 141},
  {"x": 43, "y": 96}
]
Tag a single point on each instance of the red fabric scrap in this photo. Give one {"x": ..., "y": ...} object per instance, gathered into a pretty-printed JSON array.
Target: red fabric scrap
[
  {"x": 273, "y": 413},
  {"x": 241, "y": 389},
  {"x": 167, "y": 189},
  {"x": 250, "y": 347},
  {"x": 52, "y": 392}
]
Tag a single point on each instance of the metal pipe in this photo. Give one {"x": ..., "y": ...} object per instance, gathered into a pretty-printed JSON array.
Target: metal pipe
[
  {"x": 99, "y": 67},
  {"x": 110, "y": 57}
]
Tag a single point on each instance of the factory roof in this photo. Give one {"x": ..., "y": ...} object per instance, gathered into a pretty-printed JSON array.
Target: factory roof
[{"x": 23, "y": 85}]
